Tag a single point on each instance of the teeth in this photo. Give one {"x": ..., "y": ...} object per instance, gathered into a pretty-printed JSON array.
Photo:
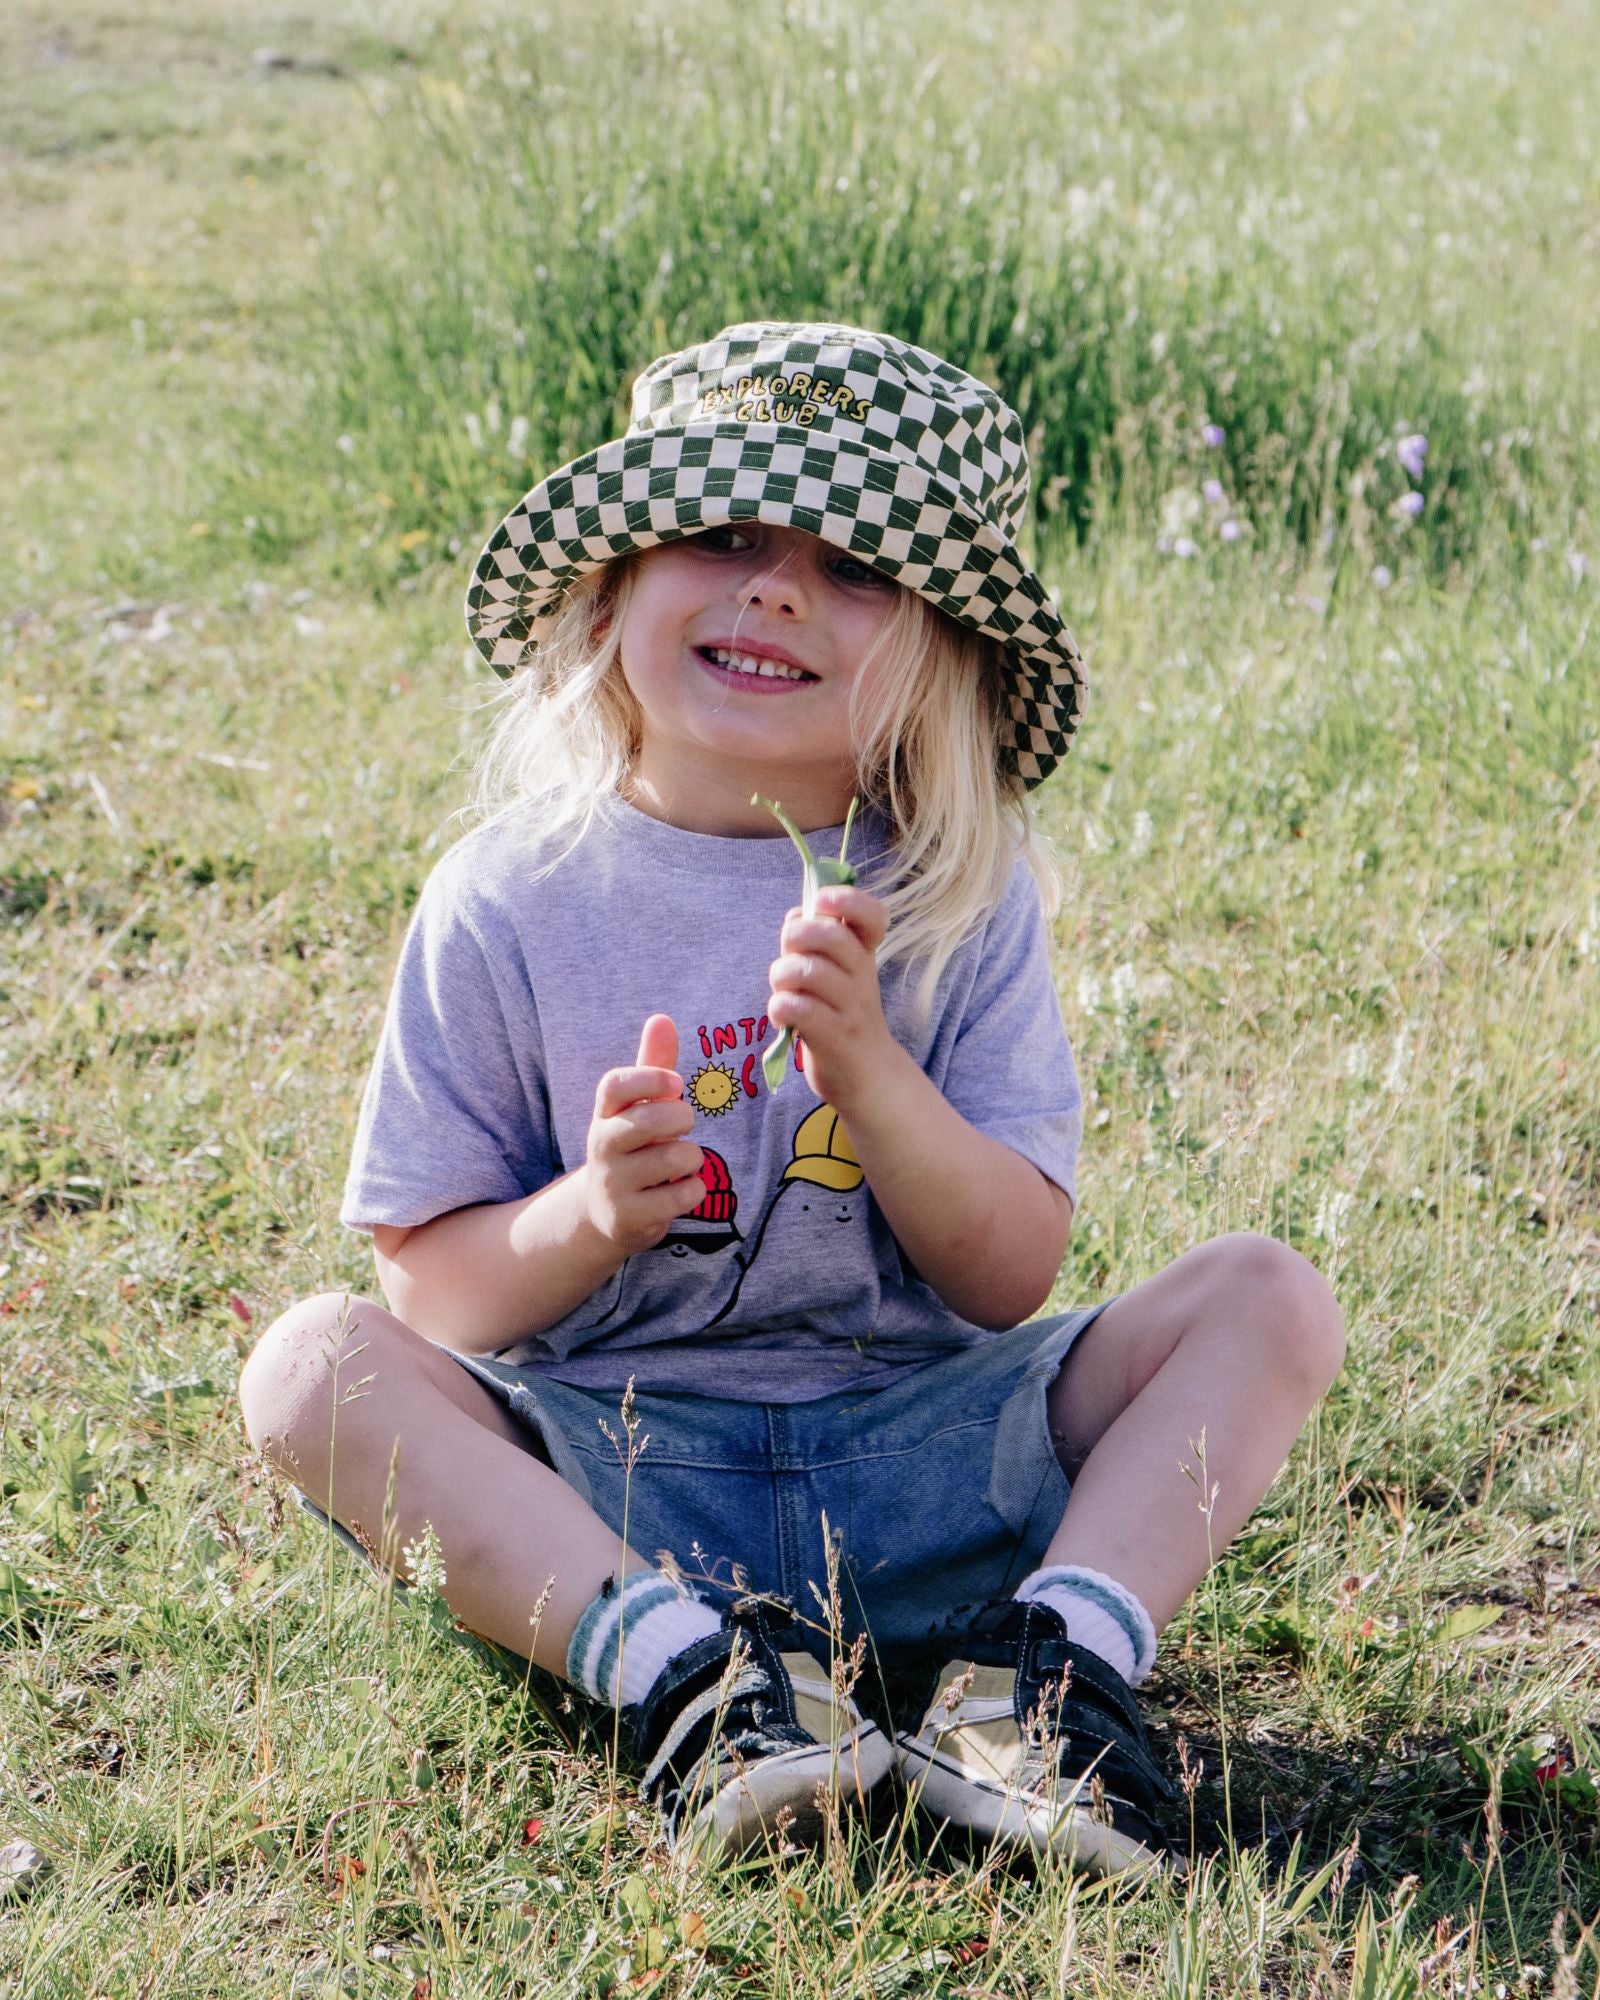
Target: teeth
[{"x": 745, "y": 663}]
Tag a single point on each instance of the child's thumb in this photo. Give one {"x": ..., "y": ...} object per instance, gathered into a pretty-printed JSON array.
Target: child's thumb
[{"x": 658, "y": 1045}]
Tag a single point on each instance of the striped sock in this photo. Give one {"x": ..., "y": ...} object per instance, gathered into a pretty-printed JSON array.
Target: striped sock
[
  {"x": 628, "y": 1634},
  {"x": 1099, "y": 1614}
]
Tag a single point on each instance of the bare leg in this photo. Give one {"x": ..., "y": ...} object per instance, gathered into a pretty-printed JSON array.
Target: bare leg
[
  {"x": 338, "y": 1388},
  {"x": 1235, "y": 1341}
]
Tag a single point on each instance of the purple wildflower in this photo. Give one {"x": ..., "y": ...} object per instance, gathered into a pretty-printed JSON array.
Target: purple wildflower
[
  {"x": 1213, "y": 435},
  {"x": 1382, "y": 577},
  {"x": 1409, "y": 503},
  {"x": 1212, "y": 489},
  {"x": 1412, "y": 452},
  {"x": 1185, "y": 546},
  {"x": 1230, "y": 531}
]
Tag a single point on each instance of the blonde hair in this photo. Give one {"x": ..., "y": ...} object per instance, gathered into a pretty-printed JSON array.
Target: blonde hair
[{"x": 927, "y": 757}]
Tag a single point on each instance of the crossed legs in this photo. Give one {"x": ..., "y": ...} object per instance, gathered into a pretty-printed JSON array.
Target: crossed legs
[{"x": 1233, "y": 1343}]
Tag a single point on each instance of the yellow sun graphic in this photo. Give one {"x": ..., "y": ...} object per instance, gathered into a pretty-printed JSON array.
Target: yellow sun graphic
[{"x": 713, "y": 1089}]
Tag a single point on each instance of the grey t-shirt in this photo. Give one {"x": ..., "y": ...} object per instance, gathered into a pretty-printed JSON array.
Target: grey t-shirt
[{"x": 513, "y": 995}]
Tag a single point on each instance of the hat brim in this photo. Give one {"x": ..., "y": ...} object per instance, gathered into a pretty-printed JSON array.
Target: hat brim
[{"x": 638, "y": 491}]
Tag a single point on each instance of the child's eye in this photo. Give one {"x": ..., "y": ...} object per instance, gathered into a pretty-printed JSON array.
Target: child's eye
[
  {"x": 724, "y": 539},
  {"x": 850, "y": 569}
]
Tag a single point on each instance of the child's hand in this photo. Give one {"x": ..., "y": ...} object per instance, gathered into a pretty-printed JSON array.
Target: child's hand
[
  {"x": 640, "y": 1174},
  {"x": 825, "y": 986}
]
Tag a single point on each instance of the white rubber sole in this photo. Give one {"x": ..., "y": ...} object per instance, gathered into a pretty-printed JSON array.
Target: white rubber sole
[
  {"x": 951, "y": 1796},
  {"x": 742, "y": 1816}
]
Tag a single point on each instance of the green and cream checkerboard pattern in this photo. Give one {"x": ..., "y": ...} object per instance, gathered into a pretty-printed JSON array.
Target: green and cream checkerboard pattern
[{"x": 875, "y": 446}]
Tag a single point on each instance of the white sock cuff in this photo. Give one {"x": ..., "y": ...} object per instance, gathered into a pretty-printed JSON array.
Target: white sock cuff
[
  {"x": 630, "y": 1631},
  {"x": 592, "y": 1655},
  {"x": 1105, "y": 1594},
  {"x": 666, "y": 1628}
]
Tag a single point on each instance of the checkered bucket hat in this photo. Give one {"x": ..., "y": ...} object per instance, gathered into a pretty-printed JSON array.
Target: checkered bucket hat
[{"x": 873, "y": 445}]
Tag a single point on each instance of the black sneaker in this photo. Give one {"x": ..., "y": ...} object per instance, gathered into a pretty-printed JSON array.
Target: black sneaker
[
  {"x": 740, "y": 1729},
  {"x": 1034, "y": 1742}
]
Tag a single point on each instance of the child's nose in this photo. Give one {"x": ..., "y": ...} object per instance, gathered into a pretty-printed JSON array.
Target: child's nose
[{"x": 779, "y": 588}]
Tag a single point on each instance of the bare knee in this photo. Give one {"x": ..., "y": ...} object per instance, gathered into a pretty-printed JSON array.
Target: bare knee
[
  {"x": 1286, "y": 1300},
  {"x": 313, "y": 1356}
]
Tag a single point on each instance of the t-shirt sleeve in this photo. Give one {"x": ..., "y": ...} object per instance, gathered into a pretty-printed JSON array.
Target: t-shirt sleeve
[
  {"x": 1010, "y": 1071},
  {"x": 455, "y": 1111}
]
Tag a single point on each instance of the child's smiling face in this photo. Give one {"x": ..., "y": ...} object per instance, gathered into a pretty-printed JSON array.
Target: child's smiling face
[{"x": 701, "y": 608}]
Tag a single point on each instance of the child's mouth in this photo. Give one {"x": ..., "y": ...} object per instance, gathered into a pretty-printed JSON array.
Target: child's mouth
[{"x": 756, "y": 676}]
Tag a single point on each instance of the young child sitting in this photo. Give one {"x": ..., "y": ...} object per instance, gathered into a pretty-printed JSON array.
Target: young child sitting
[{"x": 795, "y": 577}]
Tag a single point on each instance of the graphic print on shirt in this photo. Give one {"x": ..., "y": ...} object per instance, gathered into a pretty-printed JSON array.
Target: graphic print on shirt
[
  {"x": 821, "y": 1158},
  {"x": 822, "y": 1162},
  {"x": 716, "y": 1087},
  {"x": 709, "y": 1225}
]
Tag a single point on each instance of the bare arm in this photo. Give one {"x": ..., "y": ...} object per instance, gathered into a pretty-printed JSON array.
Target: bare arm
[
  {"x": 983, "y": 1226},
  {"x": 480, "y": 1278}
]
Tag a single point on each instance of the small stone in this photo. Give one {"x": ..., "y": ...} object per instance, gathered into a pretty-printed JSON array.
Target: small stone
[{"x": 22, "y": 1869}]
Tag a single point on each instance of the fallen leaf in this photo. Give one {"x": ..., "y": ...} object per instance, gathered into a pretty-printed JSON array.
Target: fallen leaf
[
  {"x": 239, "y": 1309},
  {"x": 1468, "y": 1619},
  {"x": 531, "y": 1831}
]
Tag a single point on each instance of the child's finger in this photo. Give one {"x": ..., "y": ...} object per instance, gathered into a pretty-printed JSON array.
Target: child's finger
[
  {"x": 619, "y": 1088},
  {"x": 647, "y": 1124},
  {"x": 812, "y": 973},
  {"x": 663, "y": 1166},
  {"x": 830, "y": 940},
  {"x": 658, "y": 1043},
  {"x": 859, "y": 908}
]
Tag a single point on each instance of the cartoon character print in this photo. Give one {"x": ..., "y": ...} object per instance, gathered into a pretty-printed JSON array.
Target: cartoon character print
[
  {"x": 822, "y": 1160},
  {"x": 819, "y": 1180},
  {"x": 709, "y": 1226}
]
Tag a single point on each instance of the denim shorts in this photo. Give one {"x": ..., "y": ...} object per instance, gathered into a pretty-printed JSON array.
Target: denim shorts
[{"x": 939, "y": 1490}]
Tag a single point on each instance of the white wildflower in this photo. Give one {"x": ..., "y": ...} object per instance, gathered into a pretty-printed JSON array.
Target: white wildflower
[
  {"x": 1090, "y": 992},
  {"x": 1143, "y": 829},
  {"x": 474, "y": 429},
  {"x": 424, "y": 1560},
  {"x": 1328, "y": 1221},
  {"x": 1181, "y": 508},
  {"x": 1124, "y": 989},
  {"x": 1394, "y": 1077},
  {"x": 1358, "y": 1060},
  {"x": 517, "y": 438}
]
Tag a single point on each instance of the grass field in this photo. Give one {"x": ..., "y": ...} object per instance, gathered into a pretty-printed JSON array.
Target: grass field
[{"x": 293, "y": 306}]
